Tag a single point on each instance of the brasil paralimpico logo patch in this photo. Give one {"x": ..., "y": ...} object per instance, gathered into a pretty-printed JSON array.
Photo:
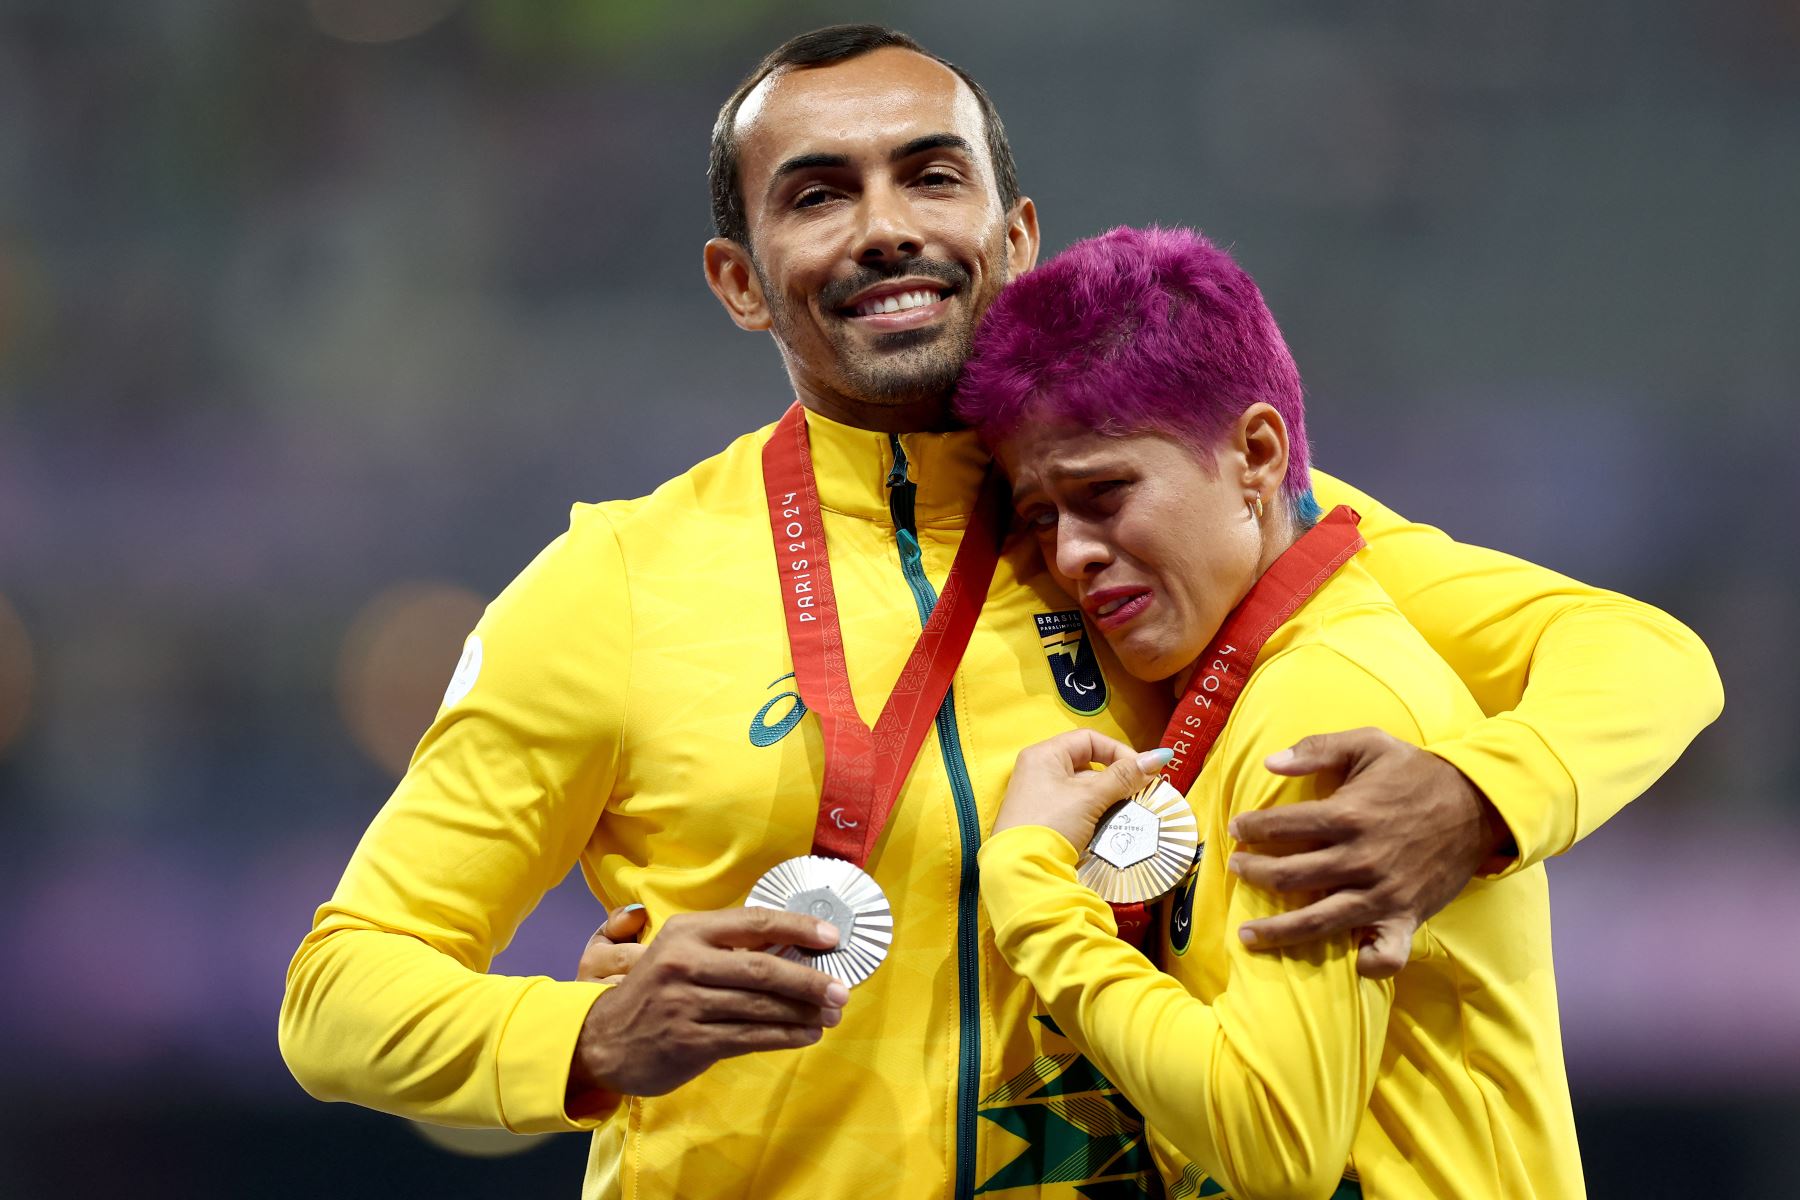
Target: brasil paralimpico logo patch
[{"x": 1072, "y": 661}]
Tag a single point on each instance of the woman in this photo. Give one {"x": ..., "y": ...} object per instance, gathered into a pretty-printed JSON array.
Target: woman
[{"x": 1144, "y": 405}]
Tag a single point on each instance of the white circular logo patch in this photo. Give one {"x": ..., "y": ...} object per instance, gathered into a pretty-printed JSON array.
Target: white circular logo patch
[{"x": 468, "y": 670}]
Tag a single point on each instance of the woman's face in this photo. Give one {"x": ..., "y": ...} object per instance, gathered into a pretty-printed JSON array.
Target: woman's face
[{"x": 1156, "y": 546}]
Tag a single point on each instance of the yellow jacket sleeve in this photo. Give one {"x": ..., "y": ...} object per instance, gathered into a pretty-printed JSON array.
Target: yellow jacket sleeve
[
  {"x": 387, "y": 1000},
  {"x": 1590, "y": 695},
  {"x": 1264, "y": 1087}
]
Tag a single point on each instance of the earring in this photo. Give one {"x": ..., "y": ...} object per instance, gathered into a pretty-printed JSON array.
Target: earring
[{"x": 1255, "y": 505}]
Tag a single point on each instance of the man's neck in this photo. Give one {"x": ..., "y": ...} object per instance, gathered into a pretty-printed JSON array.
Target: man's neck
[{"x": 930, "y": 415}]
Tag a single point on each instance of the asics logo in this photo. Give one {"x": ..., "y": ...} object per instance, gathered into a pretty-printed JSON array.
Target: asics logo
[{"x": 763, "y": 731}]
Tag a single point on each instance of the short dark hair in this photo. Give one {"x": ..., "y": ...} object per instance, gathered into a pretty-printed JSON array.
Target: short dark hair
[
  {"x": 1136, "y": 331},
  {"x": 823, "y": 48}
]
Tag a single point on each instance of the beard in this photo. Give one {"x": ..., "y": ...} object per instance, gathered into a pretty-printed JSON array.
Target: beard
[
  {"x": 906, "y": 367},
  {"x": 909, "y": 367}
]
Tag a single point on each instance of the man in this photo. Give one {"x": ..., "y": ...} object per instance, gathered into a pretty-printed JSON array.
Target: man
[{"x": 630, "y": 703}]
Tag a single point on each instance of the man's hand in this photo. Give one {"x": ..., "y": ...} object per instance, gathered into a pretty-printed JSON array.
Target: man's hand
[
  {"x": 1052, "y": 783},
  {"x": 1395, "y": 843},
  {"x": 695, "y": 997},
  {"x": 613, "y": 950}
]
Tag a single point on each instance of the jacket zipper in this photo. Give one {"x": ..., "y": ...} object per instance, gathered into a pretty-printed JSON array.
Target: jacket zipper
[{"x": 902, "y": 493}]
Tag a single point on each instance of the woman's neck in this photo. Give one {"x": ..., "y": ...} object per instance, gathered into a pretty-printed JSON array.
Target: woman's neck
[{"x": 1278, "y": 534}]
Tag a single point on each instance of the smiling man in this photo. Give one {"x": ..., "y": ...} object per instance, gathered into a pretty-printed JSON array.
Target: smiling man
[
  {"x": 874, "y": 251},
  {"x": 675, "y": 694}
]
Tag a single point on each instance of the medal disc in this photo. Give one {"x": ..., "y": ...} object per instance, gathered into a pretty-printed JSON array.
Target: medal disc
[
  {"x": 1142, "y": 847},
  {"x": 836, "y": 891}
]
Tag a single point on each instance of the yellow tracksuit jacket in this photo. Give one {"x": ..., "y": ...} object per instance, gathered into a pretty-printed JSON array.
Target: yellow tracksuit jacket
[
  {"x": 633, "y": 712},
  {"x": 1274, "y": 1075}
]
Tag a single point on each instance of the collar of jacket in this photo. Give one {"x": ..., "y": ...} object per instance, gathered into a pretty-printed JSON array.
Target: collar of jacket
[{"x": 852, "y": 467}]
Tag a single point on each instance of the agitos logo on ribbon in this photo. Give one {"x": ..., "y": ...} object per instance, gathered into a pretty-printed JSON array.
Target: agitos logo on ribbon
[{"x": 864, "y": 768}]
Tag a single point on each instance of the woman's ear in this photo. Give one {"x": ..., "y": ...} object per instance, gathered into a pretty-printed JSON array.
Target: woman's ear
[
  {"x": 1261, "y": 437},
  {"x": 733, "y": 279}
]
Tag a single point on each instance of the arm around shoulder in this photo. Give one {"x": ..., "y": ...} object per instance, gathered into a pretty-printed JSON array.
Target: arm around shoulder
[{"x": 1589, "y": 695}]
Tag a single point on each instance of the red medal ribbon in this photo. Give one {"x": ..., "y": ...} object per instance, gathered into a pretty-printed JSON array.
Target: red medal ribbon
[
  {"x": 864, "y": 768},
  {"x": 1221, "y": 672}
]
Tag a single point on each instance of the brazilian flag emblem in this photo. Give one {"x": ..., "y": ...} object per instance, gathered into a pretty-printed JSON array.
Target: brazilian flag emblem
[{"x": 1072, "y": 661}]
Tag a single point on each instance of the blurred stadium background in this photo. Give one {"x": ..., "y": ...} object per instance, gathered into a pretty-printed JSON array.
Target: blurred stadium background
[{"x": 315, "y": 317}]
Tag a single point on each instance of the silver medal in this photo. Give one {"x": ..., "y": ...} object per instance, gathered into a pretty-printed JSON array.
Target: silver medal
[
  {"x": 1143, "y": 846},
  {"x": 836, "y": 891}
]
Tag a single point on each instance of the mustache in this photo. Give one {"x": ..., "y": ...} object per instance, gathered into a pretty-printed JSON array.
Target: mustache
[{"x": 837, "y": 293}]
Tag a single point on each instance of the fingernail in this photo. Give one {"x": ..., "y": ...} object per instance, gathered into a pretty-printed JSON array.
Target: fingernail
[
  {"x": 829, "y": 1017},
  {"x": 1234, "y": 866},
  {"x": 1232, "y": 829},
  {"x": 828, "y": 933},
  {"x": 837, "y": 995},
  {"x": 1279, "y": 759},
  {"x": 629, "y": 908},
  {"x": 1247, "y": 936},
  {"x": 1155, "y": 760}
]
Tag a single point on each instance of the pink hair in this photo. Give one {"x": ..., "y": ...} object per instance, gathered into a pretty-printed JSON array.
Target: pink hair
[{"x": 1136, "y": 331}]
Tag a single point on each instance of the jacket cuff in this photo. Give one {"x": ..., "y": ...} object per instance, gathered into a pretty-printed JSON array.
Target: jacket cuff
[
  {"x": 1525, "y": 781},
  {"x": 536, "y": 1049}
]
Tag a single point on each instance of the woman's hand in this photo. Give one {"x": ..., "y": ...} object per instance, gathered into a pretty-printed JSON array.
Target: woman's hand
[
  {"x": 1053, "y": 783},
  {"x": 613, "y": 950}
]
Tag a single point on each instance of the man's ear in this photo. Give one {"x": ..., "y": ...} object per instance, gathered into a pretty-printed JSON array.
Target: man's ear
[
  {"x": 733, "y": 279},
  {"x": 1261, "y": 436},
  {"x": 1021, "y": 238}
]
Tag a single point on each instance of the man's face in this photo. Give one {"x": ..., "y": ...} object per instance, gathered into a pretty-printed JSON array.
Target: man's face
[{"x": 876, "y": 229}]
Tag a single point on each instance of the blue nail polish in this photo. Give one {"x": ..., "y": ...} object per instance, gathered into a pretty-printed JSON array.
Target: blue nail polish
[
  {"x": 619, "y": 912},
  {"x": 1154, "y": 760}
]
